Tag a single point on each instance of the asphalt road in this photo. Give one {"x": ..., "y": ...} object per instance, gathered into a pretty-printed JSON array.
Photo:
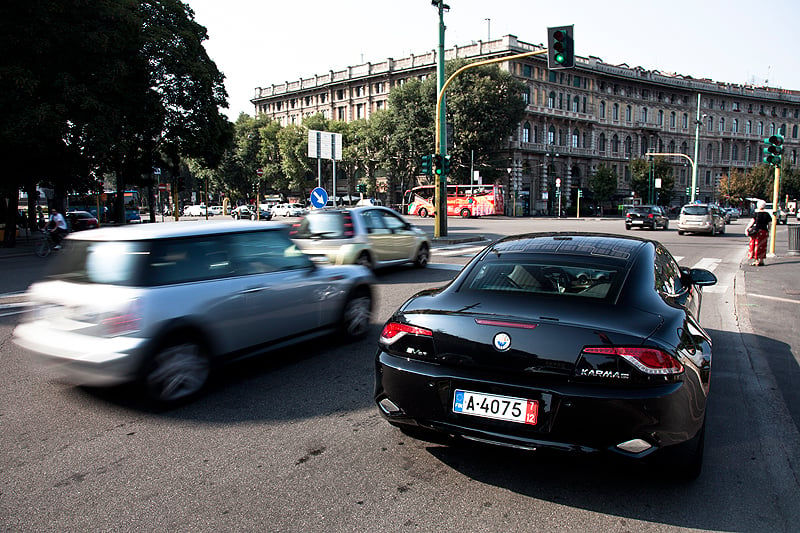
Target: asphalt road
[{"x": 293, "y": 442}]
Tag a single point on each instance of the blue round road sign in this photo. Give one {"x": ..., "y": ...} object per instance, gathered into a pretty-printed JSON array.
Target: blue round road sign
[{"x": 319, "y": 197}]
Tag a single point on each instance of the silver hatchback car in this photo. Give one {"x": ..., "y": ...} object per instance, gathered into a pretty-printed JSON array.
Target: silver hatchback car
[
  {"x": 701, "y": 218},
  {"x": 372, "y": 236},
  {"x": 161, "y": 303}
]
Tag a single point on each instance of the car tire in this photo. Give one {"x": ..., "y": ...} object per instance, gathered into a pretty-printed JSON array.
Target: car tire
[
  {"x": 680, "y": 232},
  {"x": 423, "y": 256},
  {"x": 356, "y": 315},
  {"x": 666, "y": 225},
  {"x": 423, "y": 212},
  {"x": 252, "y": 217},
  {"x": 713, "y": 230},
  {"x": 178, "y": 371},
  {"x": 684, "y": 461},
  {"x": 627, "y": 227},
  {"x": 465, "y": 213},
  {"x": 364, "y": 260}
]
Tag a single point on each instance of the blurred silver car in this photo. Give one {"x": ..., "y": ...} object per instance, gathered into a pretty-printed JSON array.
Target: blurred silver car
[
  {"x": 701, "y": 218},
  {"x": 372, "y": 236},
  {"x": 159, "y": 303}
]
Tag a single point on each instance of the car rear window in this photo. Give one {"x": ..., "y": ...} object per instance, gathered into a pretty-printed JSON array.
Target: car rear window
[
  {"x": 694, "y": 210},
  {"x": 107, "y": 262},
  {"x": 567, "y": 280},
  {"x": 322, "y": 225}
]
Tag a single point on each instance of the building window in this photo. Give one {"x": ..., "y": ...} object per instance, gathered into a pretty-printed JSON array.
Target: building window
[
  {"x": 551, "y": 100},
  {"x": 671, "y": 147},
  {"x": 794, "y": 131},
  {"x": 748, "y": 127},
  {"x": 602, "y": 110},
  {"x": 551, "y": 135},
  {"x": 615, "y": 144},
  {"x": 628, "y": 113},
  {"x": 708, "y": 178},
  {"x": 575, "y": 139},
  {"x": 576, "y": 104},
  {"x": 627, "y": 146},
  {"x": 660, "y": 117},
  {"x": 340, "y": 113},
  {"x": 772, "y": 128},
  {"x": 672, "y": 119},
  {"x": 722, "y": 125},
  {"x": 760, "y": 128},
  {"x": 601, "y": 143},
  {"x": 615, "y": 112},
  {"x": 526, "y": 95},
  {"x": 683, "y": 176},
  {"x": 561, "y": 100},
  {"x": 527, "y": 71},
  {"x": 735, "y": 152},
  {"x": 526, "y": 132},
  {"x": 643, "y": 116},
  {"x": 359, "y": 111},
  {"x": 709, "y": 153},
  {"x": 735, "y": 126},
  {"x": 340, "y": 94}
]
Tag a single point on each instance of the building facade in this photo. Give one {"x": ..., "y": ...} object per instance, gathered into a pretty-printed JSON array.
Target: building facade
[{"x": 578, "y": 119}]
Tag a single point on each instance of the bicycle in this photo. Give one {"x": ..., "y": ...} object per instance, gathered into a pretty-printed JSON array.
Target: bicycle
[{"x": 47, "y": 245}]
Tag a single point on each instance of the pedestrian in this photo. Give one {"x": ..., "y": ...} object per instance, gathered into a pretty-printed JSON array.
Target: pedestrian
[
  {"x": 759, "y": 234},
  {"x": 57, "y": 227}
]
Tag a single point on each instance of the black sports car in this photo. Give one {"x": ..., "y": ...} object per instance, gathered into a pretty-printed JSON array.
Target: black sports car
[{"x": 581, "y": 342}]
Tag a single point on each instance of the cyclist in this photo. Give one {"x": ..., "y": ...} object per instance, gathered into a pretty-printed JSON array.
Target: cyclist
[{"x": 57, "y": 227}]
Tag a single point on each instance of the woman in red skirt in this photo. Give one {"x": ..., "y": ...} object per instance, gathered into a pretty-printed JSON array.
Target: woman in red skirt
[{"x": 758, "y": 242}]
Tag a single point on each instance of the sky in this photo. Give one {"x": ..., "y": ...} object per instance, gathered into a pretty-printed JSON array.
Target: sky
[{"x": 257, "y": 43}]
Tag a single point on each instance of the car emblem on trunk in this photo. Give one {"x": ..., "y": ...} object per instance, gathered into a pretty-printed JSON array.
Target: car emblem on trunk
[{"x": 502, "y": 342}]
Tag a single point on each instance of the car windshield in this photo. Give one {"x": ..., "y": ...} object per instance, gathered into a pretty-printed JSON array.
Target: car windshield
[
  {"x": 321, "y": 225},
  {"x": 568, "y": 280},
  {"x": 694, "y": 210}
]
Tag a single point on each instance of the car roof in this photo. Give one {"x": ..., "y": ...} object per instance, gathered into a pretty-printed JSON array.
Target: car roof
[
  {"x": 575, "y": 244},
  {"x": 167, "y": 230}
]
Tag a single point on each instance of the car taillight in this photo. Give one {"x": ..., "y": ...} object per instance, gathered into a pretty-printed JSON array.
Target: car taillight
[
  {"x": 124, "y": 322},
  {"x": 348, "y": 226},
  {"x": 648, "y": 360},
  {"x": 394, "y": 331},
  {"x": 650, "y": 215}
]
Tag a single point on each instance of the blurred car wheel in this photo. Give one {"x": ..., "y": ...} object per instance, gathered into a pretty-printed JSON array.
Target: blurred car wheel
[
  {"x": 177, "y": 372},
  {"x": 356, "y": 316},
  {"x": 423, "y": 256}
]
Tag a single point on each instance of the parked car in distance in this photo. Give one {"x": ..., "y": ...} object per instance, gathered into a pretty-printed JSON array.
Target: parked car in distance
[
  {"x": 781, "y": 216},
  {"x": 289, "y": 210},
  {"x": 371, "y": 236},
  {"x": 162, "y": 304},
  {"x": 81, "y": 220},
  {"x": 646, "y": 216},
  {"x": 195, "y": 210},
  {"x": 248, "y": 212},
  {"x": 729, "y": 214},
  {"x": 701, "y": 218},
  {"x": 567, "y": 341},
  {"x": 215, "y": 210}
]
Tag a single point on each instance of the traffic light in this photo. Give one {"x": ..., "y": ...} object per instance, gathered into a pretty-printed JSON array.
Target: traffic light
[
  {"x": 446, "y": 164},
  {"x": 773, "y": 150},
  {"x": 688, "y": 191},
  {"x": 438, "y": 164},
  {"x": 560, "y": 47},
  {"x": 362, "y": 187},
  {"x": 427, "y": 165},
  {"x": 181, "y": 183}
]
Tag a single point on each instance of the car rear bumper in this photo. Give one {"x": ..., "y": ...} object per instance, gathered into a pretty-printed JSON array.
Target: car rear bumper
[
  {"x": 572, "y": 416},
  {"x": 80, "y": 359}
]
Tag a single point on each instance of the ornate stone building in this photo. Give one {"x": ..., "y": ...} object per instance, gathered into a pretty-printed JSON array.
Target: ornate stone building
[{"x": 578, "y": 119}]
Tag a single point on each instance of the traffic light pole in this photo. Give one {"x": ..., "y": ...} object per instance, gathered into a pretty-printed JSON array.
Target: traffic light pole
[
  {"x": 440, "y": 198},
  {"x": 441, "y": 134},
  {"x": 775, "y": 197}
]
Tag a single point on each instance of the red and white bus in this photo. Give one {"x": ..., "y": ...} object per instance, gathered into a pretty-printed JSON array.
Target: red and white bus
[{"x": 462, "y": 200}]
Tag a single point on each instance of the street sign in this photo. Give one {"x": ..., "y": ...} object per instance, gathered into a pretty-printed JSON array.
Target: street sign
[
  {"x": 162, "y": 186},
  {"x": 260, "y": 172},
  {"x": 319, "y": 197}
]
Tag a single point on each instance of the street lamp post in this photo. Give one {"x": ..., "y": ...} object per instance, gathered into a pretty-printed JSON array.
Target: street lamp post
[{"x": 697, "y": 122}]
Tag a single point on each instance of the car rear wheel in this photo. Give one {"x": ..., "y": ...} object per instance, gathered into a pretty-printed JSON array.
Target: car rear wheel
[
  {"x": 465, "y": 213},
  {"x": 177, "y": 371},
  {"x": 356, "y": 315},
  {"x": 364, "y": 260},
  {"x": 423, "y": 255},
  {"x": 423, "y": 213}
]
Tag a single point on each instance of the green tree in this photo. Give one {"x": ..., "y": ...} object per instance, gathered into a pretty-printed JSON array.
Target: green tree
[
  {"x": 603, "y": 184},
  {"x": 643, "y": 184}
]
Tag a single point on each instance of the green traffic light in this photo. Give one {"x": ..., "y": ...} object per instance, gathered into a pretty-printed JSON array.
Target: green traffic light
[{"x": 559, "y": 58}]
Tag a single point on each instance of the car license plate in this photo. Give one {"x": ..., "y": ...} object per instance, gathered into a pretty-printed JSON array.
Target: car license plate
[
  {"x": 498, "y": 407},
  {"x": 639, "y": 222}
]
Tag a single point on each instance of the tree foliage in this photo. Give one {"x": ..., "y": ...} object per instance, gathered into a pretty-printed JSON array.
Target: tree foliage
[{"x": 643, "y": 184}]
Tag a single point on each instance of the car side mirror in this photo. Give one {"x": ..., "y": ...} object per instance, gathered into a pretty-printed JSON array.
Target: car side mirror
[{"x": 702, "y": 277}]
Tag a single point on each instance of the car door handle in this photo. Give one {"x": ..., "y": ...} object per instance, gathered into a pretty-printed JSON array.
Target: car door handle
[{"x": 252, "y": 290}]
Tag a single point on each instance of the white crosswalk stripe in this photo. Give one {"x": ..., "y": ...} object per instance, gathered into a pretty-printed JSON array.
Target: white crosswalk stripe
[{"x": 451, "y": 252}]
